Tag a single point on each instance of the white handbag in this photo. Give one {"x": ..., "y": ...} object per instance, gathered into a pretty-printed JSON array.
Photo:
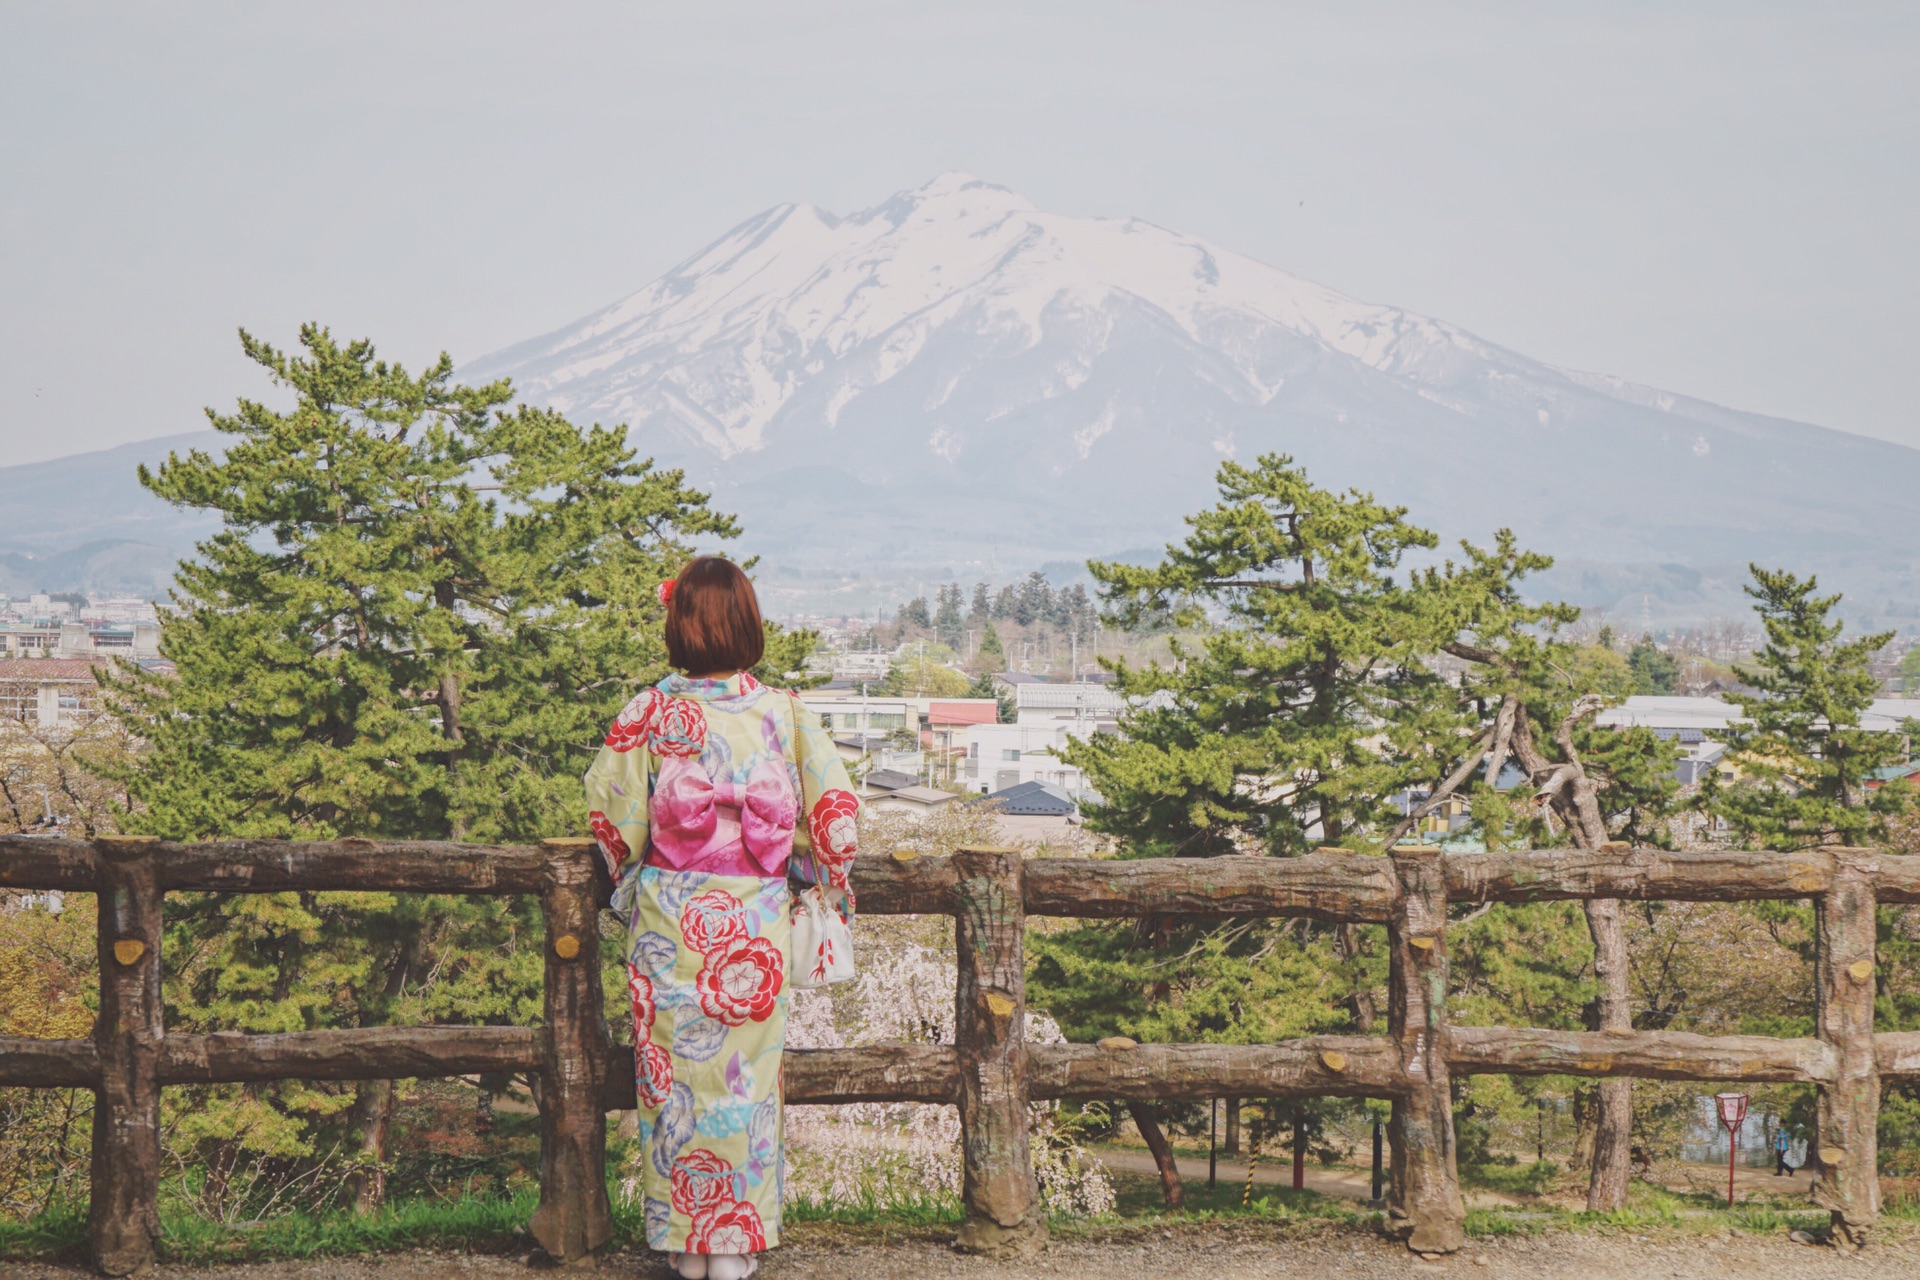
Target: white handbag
[{"x": 822, "y": 943}]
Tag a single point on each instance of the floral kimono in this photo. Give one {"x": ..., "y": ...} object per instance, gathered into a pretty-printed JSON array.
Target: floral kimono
[{"x": 696, "y": 803}]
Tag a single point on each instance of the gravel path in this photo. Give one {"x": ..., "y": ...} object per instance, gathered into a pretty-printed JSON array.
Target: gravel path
[{"x": 1222, "y": 1250}]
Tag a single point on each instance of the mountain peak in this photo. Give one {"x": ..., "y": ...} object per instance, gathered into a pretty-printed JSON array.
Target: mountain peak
[
  {"x": 950, "y": 196},
  {"x": 1065, "y": 386}
]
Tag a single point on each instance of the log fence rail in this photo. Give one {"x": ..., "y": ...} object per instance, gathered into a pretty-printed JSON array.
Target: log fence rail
[{"x": 991, "y": 1072}]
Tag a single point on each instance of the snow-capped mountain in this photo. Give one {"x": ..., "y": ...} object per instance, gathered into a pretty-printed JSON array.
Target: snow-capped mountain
[
  {"x": 954, "y": 373},
  {"x": 954, "y": 382}
]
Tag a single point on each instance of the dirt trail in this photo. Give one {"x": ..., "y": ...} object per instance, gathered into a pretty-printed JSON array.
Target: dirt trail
[
  {"x": 1240, "y": 1251},
  {"x": 1353, "y": 1183}
]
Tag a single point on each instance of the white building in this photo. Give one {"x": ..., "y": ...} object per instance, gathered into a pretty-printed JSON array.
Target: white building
[
  {"x": 1004, "y": 755},
  {"x": 851, "y": 712},
  {"x": 48, "y": 691},
  {"x": 860, "y": 666},
  {"x": 1711, "y": 715},
  {"x": 1084, "y": 704}
]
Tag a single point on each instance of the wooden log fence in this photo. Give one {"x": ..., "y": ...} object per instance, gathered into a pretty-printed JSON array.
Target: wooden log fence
[{"x": 992, "y": 1073}]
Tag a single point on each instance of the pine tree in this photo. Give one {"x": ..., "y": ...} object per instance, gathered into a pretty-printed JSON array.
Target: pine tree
[
  {"x": 914, "y": 614},
  {"x": 1318, "y": 671},
  {"x": 1803, "y": 758},
  {"x": 1316, "y": 675},
  {"x": 947, "y": 619},
  {"x": 992, "y": 655},
  {"x": 418, "y": 616},
  {"x": 1583, "y": 785},
  {"x": 981, "y": 608},
  {"x": 1074, "y": 611},
  {"x": 1034, "y": 601},
  {"x": 1654, "y": 669}
]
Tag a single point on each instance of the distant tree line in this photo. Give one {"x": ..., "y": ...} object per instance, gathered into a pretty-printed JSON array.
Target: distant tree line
[{"x": 1033, "y": 601}]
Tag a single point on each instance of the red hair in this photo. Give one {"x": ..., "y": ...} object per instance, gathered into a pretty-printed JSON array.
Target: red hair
[{"x": 713, "y": 619}]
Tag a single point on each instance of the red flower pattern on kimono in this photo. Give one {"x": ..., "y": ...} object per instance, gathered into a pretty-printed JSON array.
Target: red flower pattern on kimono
[
  {"x": 742, "y": 984},
  {"x": 613, "y": 846},
  {"x": 640, "y": 989},
  {"x": 665, "y": 725},
  {"x": 702, "y": 1183},
  {"x": 653, "y": 1079},
  {"x": 713, "y": 922},
  {"x": 677, "y": 727},
  {"x": 835, "y": 831},
  {"x": 733, "y": 1229},
  {"x": 629, "y": 729}
]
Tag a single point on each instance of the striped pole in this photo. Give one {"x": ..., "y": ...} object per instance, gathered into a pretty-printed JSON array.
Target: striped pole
[{"x": 1253, "y": 1162}]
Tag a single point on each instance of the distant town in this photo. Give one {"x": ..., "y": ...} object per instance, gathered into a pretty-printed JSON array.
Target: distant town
[{"x": 974, "y": 694}]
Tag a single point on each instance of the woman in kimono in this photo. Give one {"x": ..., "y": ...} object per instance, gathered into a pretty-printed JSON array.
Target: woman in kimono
[{"x": 711, "y": 790}]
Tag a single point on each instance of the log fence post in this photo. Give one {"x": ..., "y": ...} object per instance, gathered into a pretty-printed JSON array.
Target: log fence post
[
  {"x": 1846, "y": 1151},
  {"x": 998, "y": 1190},
  {"x": 574, "y": 1217},
  {"x": 1424, "y": 1207},
  {"x": 123, "y": 1218}
]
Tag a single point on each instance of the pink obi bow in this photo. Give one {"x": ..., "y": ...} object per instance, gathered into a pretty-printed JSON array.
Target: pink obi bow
[{"x": 724, "y": 827}]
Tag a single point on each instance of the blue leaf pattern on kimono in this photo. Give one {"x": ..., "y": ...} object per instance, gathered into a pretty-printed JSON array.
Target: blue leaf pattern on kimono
[
  {"x": 659, "y": 1217},
  {"x": 699, "y": 1038},
  {"x": 724, "y": 1119},
  {"x": 674, "y": 1128},
  {"x": 763, "y": 1141},
  {"x": 717, "y": 757},
  {"x": 677, "y": 888},
  {"x": 654, "y": 953}
]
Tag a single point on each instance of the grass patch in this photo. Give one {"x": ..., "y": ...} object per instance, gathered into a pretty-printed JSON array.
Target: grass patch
[
  {"x": 1512, "y": 1179},
  {"x": 497, "y": 1225},
  {"x": 1139, "y": 1199},
  {"x": 925, "y": 1213},
  {"x": 59, "y": 1234},
  {"x": 474, "y": 1226}
]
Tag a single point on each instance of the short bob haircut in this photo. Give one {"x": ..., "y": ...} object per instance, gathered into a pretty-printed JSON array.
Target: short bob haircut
[{"x": 713, "y": 619}]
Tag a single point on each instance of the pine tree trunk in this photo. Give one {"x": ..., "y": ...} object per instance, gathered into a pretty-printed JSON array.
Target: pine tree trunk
[
  {"x": 1575, "y": 798},
  {"x": 371, "y": 1119},
  {"x": 1613, "y": 1120},
  {"x": 1233, "y": 1127},
  {"x": 1361, "y": 1001},
  {"x": 373, "y": 1100},
  {"x": 1586, "y": 1115},
  {"x": 1149, "y": 1127}
]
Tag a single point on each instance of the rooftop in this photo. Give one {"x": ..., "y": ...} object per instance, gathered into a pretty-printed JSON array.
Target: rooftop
[
  {"x": 48, "y": 668},
  {"x": 1033, "y": 798},
  {"x": 922, "y": 795}
]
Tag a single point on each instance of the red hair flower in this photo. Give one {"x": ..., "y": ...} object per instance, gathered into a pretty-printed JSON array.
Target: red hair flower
[{"x": 665, "y": 592}]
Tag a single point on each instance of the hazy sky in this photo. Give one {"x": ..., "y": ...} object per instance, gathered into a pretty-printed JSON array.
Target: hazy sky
[{"x": 1719, "y": 199}]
